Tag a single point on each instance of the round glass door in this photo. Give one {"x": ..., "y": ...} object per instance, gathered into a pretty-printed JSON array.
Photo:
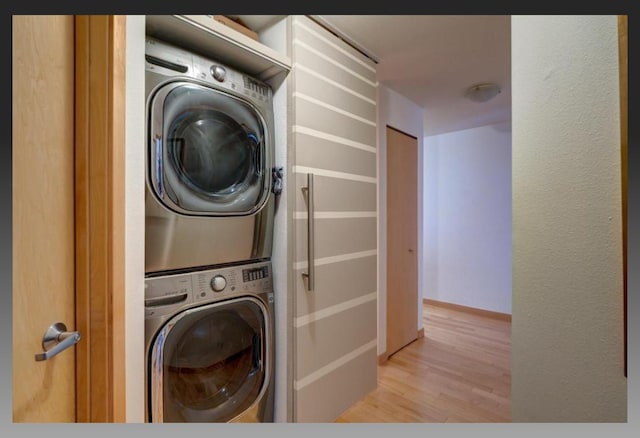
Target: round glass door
[
  {"x": 213, "y": 365},
  {"x": 211, "y": 154}
]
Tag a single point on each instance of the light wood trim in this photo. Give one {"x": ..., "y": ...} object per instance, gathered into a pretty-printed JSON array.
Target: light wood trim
[
  {"x": 420, "y": 333},
  {"x": 471, "y": 310},
  {"x": 623, "y": 47},
  {"x": 83, "y": 320},
  {"x": 100, "y": 123}
]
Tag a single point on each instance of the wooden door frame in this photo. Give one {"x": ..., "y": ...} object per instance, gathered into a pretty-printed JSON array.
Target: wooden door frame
[{"x": 100, "y": 263}]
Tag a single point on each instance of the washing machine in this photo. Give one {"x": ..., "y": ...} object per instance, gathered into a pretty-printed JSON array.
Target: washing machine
[
  {"x": 210, "y": 180},
  {"x": 209, "y": 343}
]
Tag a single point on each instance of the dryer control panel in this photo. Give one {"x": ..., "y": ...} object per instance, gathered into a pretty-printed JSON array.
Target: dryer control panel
[{"x": 169, "y": 60}]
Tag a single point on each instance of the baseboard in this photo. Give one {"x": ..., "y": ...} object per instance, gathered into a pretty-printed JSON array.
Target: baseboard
[
  {"x": 420, "y": 333},
  {"x": 472, "y": 310}
]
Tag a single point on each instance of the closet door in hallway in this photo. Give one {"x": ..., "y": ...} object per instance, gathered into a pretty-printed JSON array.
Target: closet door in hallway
[
  {"x": 334, "y": 153},
  {"x": 402, "y": 239}
]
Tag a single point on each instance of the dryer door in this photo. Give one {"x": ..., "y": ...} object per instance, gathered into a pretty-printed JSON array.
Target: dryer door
[
  {"x": 208, "y": 151},
  {"x": 208, "y": 364}
]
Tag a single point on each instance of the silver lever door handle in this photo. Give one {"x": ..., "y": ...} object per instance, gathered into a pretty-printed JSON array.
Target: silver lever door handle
[{"x": 55, "y": 340}]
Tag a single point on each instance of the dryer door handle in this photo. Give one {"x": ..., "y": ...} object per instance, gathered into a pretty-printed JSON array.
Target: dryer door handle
[
  {"x": 258, "y": 158},
  {"x": 257, "y": 352},
  {"x": 159, "y": 165}
]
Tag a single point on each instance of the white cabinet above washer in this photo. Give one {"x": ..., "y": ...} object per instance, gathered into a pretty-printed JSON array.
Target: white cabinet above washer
[{"x": 211, "y": 38}]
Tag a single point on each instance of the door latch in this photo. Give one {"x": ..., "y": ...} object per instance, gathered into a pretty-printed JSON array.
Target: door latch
[{"x": 277, "y": 174}]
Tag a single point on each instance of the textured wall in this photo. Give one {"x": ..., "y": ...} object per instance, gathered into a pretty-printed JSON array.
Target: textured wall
[
  {"x": 567, "y": 333},
  {"x": 467, "y": 211}
]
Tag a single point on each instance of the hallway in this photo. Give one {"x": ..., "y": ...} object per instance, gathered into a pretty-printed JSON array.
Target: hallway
[{"x": 459, "y": 372}]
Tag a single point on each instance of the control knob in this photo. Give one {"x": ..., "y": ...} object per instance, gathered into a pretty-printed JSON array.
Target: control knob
[
  {"x": 218, "y": 72},
  {"x": 218, "y": 283}
]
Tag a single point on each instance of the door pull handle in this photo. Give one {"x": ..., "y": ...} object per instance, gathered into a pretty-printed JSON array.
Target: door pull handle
[{"x": 310, "y": 274}]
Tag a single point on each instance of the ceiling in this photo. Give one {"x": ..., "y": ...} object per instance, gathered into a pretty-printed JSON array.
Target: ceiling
[{"x": 433, "y": 59}]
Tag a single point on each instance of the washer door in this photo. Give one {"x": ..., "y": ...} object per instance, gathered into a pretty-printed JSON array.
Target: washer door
[
  {"x": 208, "y": 151},
  {"x": 208, "y": 364}
]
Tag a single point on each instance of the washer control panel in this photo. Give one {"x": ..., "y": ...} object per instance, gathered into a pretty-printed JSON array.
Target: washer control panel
[
  {"x": 163, "y": 295},
  {"x": 254, "y": 274},
  {"x": 254, "y": 278}
]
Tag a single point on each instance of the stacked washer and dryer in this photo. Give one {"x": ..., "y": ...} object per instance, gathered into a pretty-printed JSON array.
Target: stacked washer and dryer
[{"x": 209, "y": 206}]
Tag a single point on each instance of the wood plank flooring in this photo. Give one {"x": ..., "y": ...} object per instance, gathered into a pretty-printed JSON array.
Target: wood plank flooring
[{"x": 459, "y": 372}]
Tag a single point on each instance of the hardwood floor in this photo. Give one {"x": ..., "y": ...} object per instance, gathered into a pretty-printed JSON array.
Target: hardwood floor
[{"x": 459, "y": 372}]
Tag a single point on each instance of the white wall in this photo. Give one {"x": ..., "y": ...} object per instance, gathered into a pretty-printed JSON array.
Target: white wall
[
  {"x": 467, "y": 238},
  {"x": 134, "y": 219},
  {"x": 276, "y": 38},
  {"x": 567, "y": 332},
  {"x": 398, "y": 112}
]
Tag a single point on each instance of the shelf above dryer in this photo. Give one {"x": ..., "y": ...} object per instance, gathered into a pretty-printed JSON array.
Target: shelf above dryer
[{"x": 203, "y": 34}]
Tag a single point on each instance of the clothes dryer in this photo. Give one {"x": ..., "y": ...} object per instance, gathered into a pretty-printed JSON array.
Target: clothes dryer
[{"x": 209, "y": 158}]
